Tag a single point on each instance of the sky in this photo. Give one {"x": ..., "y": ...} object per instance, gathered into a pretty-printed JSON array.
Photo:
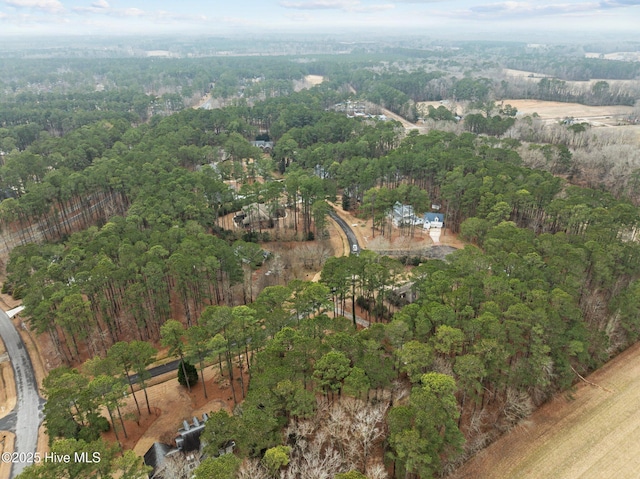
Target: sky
[{"x": 215, "y": 17}]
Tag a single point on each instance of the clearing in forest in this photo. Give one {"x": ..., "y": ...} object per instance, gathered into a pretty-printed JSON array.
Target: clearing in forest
[
  {"x": 591, "y": 433},
  {"x": 550, "y": 110},
  {"x": 307, "y": 82},
  {"x": 558, "y": 110}
]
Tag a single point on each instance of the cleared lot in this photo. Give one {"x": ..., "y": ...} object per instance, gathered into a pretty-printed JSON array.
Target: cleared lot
[
  {"x": 560, "y": 110},
  {"x": 548, "y": 110}
]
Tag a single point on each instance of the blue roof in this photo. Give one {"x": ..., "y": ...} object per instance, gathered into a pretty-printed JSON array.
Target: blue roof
[{"x": 434, "y": 217}]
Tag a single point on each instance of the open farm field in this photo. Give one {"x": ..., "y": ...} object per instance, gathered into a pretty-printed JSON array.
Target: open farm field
[
  {"x": 523, "y": 74},
  {"x": 536, "y": 76},
  {"x": 621, "y": 56},
  {"x": 590, "y": 433},
  {"x": 550, "y": 110}
]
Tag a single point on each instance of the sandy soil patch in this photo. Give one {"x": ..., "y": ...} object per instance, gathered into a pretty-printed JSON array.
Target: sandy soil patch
[
  {"x": 592, "y": 433},
  {"x": 7, "y": 440},
  {"x": 7, "y": 389},
  {"x": 314, "y": 79},
  {"x": 43, "y": 440},
  {"x": 7, "y": 383},
  {"x": 307, "y": 82}
]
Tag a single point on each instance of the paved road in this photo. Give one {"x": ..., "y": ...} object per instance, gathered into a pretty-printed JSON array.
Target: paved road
[
  {"x": 361, "y": 321},
  {"x": 27, "y": 415},
  {"x": 351, "y": 236},
  {"x": 429, "y": 252},
  {"x": 158, "y": 370}
]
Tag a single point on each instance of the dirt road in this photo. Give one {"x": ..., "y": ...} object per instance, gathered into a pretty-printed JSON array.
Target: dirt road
[
  {"x": 405, "y": 123},
  {"x": 592, "y": 435}
]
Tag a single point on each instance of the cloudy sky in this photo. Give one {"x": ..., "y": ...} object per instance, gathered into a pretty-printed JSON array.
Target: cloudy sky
[{"x": 29, "y": 17}]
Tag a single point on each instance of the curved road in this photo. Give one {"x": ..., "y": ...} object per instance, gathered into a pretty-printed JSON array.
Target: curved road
[
  {"x": 25, "y": 419},
  {"x": 351, "y": 237}
]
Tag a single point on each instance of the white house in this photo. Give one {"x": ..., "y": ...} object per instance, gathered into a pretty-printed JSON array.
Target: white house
[
  {"x": 433, "y": 220},
  {"x": 403, "y": 215}
]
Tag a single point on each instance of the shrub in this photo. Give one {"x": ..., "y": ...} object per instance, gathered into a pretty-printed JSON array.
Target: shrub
[{"x": 192, "y": 374}]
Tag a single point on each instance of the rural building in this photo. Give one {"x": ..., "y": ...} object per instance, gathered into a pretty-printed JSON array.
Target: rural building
[
  {"x": 433, "y": 220},
  {"x": 188, "y": 438},
  {"x": 403, "y": 215},
  {"x": 167, "y": 461},
  {"x": 266, "y": 146},
  {"x": 403, "y": 294},
  {"x": 156, "y": 457},
  {"x": 255, "y": 215}
]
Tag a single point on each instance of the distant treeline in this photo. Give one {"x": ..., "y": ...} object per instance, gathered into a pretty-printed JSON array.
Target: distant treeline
[{"x": 576, "y": 69}]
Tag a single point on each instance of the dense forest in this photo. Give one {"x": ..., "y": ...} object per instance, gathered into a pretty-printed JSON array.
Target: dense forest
[{"x": 545, "y": 290}]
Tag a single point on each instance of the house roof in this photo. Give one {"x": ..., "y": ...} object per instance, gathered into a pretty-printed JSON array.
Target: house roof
[
  {"x": 402, "y": 210},
  {"x": 404, "y": 288},
  {"x": 263, "y": 144},
  {"x": 189, "y": 435},
  {"x": 434, "y": 217},
  {"x": 191, "y": 439},
  {"x": 154, "y": 457},
  {"x": 255, "y": 212}
]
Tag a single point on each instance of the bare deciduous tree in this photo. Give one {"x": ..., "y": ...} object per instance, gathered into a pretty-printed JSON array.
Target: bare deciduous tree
[
  {"x": 518, "y": 406},
  {"x": 252, "y": 469},
  {"x": 339, "y": 438},
  {"x": 368, "y": 427},
  {"x": 178, "y": 466}
]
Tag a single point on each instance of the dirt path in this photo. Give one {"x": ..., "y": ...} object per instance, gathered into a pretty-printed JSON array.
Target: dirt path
[
  {"x": 405, "y": 123},
  {"x": 594, "y": 435}
]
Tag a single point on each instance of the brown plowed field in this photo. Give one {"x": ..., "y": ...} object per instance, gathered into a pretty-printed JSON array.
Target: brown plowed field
[
  {"x": 594, "y": 434},
  {"x": 559, "y": 110}
]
